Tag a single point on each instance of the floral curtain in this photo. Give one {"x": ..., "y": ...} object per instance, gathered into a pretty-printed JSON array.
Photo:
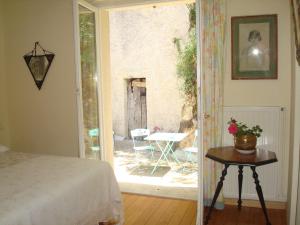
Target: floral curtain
[{"x": 213, "y": 22}]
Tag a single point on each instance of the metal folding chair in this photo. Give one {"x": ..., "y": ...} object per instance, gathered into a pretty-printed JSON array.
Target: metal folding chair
[
  {"x": 138, "y": 136},
  {"x": 193, "y": 149}
]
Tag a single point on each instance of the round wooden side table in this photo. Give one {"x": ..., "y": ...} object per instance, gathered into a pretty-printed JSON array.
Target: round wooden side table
[{"x": 229, "y": 156}]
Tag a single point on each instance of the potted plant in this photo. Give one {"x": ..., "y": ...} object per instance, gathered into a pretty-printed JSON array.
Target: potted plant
[{"x": 245, "y": 138}]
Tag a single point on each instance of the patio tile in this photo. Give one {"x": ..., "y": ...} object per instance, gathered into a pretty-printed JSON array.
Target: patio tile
[
  {"x": 145, "y": 170},
  {"x": 137, "y": 169}
]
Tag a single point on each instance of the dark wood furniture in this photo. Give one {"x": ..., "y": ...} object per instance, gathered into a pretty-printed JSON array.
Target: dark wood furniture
[{"x": 229, "y": 156}]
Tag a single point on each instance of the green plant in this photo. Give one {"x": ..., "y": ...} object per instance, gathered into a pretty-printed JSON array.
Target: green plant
[
  {"x": 239, "y": 128},
  {"x": 87, "y": 41},
  {"x": 187, "y": 59},
  {"x": 88, "y": 72}
]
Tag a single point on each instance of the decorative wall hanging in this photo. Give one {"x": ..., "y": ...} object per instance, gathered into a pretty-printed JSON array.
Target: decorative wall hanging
[
  {"x": 296, "y": 17},
  {"x": 39, "y": 61},
  {"x": 254, "y": 47}
]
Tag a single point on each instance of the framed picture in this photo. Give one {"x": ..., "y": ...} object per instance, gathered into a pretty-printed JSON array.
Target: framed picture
[
  {"x": 296, "y": 18},
  {"x": 254, "y": 47}
]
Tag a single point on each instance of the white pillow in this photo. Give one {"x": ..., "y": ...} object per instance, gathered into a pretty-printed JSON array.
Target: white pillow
[{"x": 3, "y": 148}]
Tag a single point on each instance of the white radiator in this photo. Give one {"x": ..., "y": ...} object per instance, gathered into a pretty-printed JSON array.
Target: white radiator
[{"x": 272, "y": 179}]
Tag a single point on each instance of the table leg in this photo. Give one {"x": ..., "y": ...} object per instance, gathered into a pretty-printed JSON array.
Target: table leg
[
  {"x": 163, "y": 154},
  {"x": 171, "y": 150},
  {"x": 217, "y": 192},
  {"x": 168, "y": 147},
  {"x": 260, "y": 194},
  {"x": 163, "y": 150},
  {"x": 240, "y": 186}
]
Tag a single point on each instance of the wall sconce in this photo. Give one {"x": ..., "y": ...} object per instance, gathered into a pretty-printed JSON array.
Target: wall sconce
[{"x": 39, "y": 63}]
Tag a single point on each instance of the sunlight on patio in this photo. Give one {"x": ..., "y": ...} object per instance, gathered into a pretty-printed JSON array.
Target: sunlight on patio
[
  {"x": 132, "y": 168},
  {"x": 154, "y": 89}
]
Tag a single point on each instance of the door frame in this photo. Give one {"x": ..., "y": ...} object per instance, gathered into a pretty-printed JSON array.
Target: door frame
[
  {"x": 130, "y": 92},
  {"x": 294, "y": 181},
  {"x": 200, "y": 114},
  {"x": 80, "y": 121},
  {"x": 108, "y": 4}
]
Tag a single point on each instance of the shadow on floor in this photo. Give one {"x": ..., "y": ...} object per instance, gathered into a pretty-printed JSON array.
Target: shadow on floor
[{"x": 144, "y": 170}]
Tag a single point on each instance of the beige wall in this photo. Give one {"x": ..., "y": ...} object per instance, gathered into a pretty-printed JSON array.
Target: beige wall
[
  {"x": 142, "y": 47},
  {"x": 41, "y": 121},
  {"x": 263, "y": 92},
  {"x": 4, "y": 124}
]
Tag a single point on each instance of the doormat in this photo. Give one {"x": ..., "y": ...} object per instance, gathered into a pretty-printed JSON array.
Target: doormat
[{"x": 146, "y": 171}]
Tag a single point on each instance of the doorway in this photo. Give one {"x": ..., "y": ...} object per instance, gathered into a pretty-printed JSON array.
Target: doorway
[
  {"x": 154, "y": 40},
  {"x": 105, "y": 81},
  {"x": 151, "y": 99},
  {"x": 136, "y": 104}
]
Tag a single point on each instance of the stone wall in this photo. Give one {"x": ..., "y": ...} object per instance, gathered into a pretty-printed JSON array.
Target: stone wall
[{"x": 142, "y": 47}]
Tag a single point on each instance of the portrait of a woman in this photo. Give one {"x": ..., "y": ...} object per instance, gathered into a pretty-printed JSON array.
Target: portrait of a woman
[{"x": 254, "y": 55}]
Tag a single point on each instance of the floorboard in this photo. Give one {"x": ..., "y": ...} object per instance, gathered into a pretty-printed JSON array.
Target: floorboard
[{"x": 149, "y": 210}]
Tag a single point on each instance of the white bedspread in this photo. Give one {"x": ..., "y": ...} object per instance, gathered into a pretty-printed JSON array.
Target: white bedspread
[{"x": 51, "y": 190}]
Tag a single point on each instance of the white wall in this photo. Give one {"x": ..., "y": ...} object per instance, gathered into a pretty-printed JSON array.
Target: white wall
[
  {"x": 41, "y": 121},
  {"x": 4, "y": 124},
  {"x": 263, "y": 92},
  {"x": 142, "y": 46}
]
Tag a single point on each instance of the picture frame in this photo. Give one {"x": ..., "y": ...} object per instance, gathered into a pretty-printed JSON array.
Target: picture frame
[
  {"x": 295, "y": 4},
  {"x": 254, "y": 46}
]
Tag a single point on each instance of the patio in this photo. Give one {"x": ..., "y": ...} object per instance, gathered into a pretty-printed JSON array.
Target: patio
[{"x": 132, "y": 169}]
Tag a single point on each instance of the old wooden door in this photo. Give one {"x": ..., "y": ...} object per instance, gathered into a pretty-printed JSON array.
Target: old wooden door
[{"x": 136, "y": 104}]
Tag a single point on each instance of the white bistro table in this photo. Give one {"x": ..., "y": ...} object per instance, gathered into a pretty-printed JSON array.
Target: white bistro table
[{"x": 169, "y": 139}]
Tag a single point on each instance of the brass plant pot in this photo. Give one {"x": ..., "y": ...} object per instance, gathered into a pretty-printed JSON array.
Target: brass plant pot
[{"x": 245, "y": 142}]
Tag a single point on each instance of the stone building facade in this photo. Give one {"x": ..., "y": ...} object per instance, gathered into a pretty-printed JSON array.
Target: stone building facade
[{"x": 141, "y": 43}]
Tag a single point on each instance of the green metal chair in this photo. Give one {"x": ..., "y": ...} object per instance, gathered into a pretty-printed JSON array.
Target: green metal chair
[
  {"x": 140, "y": 134},
  {"x": 193, "y": 149},
  {"x": 92, "y": 134}
]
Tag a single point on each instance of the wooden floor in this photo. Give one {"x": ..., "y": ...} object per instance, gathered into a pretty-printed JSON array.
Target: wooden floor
[{"x": 145, "y": 210}]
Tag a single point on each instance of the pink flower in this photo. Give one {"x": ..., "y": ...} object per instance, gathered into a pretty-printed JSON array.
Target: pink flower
[
  {"x": 156, "y": 128},
  {"x": 233, "y": 129}
]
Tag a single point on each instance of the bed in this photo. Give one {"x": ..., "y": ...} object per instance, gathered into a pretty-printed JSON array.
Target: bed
[{"x": 52, "y": 190}]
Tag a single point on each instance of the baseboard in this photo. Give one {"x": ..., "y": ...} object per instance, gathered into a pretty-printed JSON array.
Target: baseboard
[
  {"x": 188, "y": 193},
  {"x": 256, "y": 203}
]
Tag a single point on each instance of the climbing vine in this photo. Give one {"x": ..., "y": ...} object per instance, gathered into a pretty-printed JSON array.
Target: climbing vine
[{"x": 186, "y": 62}]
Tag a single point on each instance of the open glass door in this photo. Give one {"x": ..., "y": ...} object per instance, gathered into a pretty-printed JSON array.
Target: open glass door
[{"x": 89, "y": 67}]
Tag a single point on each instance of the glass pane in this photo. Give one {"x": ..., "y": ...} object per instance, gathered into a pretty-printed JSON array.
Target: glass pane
[{"x": 89, "y": 82}]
